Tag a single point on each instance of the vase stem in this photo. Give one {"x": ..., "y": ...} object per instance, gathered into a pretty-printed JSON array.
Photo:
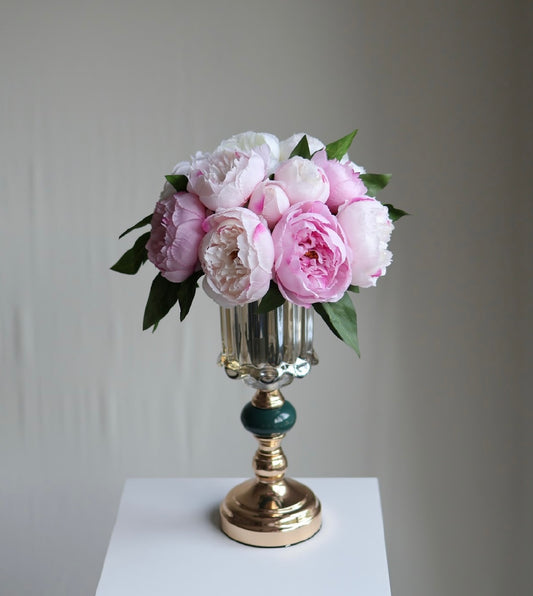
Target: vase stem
[
  {"x": 270, "y": 510},
  {"x": 270, "y": 462}
]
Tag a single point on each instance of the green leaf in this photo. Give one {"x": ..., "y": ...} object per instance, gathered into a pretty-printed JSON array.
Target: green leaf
[
  {"x": 354, "y": 289},
  {"x": 140, "y": 224},
  {"x": 394, "y": 213},
  {"x": 375, "y": 182},
  {"x": 338, "y": 149},
  {"x": 301, "y": 149},
  {"x": 163, "y": 295},
  {"x": 178, "y": 181},
  {"x": 271, "y": 300},
  {"x": 341, "y": 318},
  {"x": 186, "y": 293},
  {"x": 131, "y": 261}
]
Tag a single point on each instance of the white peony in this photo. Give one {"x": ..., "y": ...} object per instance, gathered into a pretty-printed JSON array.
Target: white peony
[
  {"x": 226, "y": 178},
  {"x": 287, "y": 146},
  {"x": 247, "y": 142}
]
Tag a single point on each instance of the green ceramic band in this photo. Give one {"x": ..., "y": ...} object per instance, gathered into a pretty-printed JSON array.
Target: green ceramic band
[{"x": 266, "y": 423}]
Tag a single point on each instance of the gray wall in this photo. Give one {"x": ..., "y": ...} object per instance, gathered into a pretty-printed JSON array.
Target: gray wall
[{"x": 98, "y": 101}]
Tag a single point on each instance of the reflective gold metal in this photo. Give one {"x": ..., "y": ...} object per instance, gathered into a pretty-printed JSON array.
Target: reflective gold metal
[
  {"x": 270, "y": 510},
  {"x": 268, "y": 400}
]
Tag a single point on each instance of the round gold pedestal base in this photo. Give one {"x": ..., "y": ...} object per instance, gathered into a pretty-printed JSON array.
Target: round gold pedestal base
[{"x": 270, "y": 515}]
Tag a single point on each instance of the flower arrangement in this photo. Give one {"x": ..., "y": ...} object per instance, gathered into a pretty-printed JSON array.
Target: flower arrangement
[{"x": 267, "y": 220}]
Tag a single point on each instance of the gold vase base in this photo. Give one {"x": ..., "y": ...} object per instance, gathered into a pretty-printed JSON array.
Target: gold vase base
[{"x": 270, "y": 514}]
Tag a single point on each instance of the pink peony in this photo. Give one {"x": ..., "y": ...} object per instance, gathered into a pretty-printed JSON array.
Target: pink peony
[
  {"x": 270, "y": 200},
  {"x": 368, "y": 228},
  {"x": 236, "y": 254},
  {"x": 176, "y": 234},
  {"x": 344, "y": 180},
  {"x": 312, "y": 258},
  {"x": 226, "y": 178},
  {"x": 303, "y": 180}
]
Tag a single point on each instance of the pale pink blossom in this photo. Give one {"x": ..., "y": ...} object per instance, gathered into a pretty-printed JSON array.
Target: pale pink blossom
[
  {"x": 303, "y": 180},
  {"x": 344, "y": 180},
  {"x": 175, "y": 236},
  {"x": 312, "y": 261},
  {"x": 236, "y": 254},
  {"x": 368, "y": 228},
  {"x": 226, "y": 178},
  {"x": 270, "y": 200}
]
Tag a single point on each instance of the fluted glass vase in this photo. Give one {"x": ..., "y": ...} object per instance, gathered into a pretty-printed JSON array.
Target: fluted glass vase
[{"x": 268, "y": 350}]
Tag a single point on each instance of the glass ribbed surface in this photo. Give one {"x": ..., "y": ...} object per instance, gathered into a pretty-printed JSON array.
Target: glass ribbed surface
[{"x": 267, "y": 350}]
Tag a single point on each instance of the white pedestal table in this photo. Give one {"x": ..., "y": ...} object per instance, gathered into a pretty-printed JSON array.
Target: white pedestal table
[{"x": 167, "y": 542}]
